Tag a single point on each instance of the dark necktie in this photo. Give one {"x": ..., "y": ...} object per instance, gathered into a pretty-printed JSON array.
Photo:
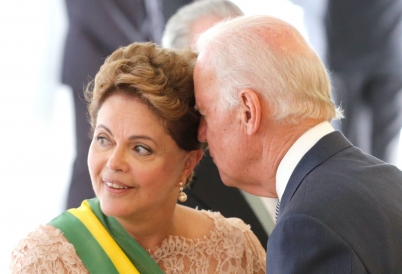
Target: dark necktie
[{"x": 278, "y": 205}]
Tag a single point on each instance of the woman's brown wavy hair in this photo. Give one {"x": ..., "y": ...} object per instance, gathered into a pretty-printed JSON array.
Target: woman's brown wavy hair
[{"x": 161, "y": 78}]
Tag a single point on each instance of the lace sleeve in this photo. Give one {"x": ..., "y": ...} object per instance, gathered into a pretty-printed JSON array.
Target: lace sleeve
[
  {"x": 45, "y": 250},
  {"x": 255, "y": 253}
]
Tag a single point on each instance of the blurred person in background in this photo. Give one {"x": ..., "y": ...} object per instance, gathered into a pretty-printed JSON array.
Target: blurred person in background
[
  {"x": 364, "y": 57},
  {"x": 207, "y": 190},
  {"x": 182, "y": 28},
  {"x": 361, "y": 44},
  {"x": 313, "y": 18},
  {"x": 143, "y": 152},
  {"x": 96, "y": 29}
]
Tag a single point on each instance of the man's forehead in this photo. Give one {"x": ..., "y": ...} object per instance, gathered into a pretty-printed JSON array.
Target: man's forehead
[
  {"x": 202, "y": 98},
  {"x": 204, "y": 82},
  {"x": 204, "y": 74},
  {"x": 202, "y": 59}
]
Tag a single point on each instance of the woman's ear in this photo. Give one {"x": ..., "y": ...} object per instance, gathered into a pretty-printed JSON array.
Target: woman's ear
[
  {"x": 250, "y": 110},
  {"x": 192, "y": 160}
]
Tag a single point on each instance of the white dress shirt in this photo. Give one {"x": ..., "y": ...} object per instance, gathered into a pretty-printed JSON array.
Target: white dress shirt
[{"x": 296, "y": 152}]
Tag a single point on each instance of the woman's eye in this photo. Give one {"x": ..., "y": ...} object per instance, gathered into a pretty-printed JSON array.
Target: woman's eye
[
  {"x": 103, "y": 141},
  {"x": 142, "y": 150}
]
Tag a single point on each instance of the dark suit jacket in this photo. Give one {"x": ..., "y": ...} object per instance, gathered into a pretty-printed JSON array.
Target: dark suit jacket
[
  {"x": 208, "y": 192},
  {"x": 341, "y": 212}
]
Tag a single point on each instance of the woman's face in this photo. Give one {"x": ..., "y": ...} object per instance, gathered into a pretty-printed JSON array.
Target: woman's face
[{"x": 135, "y": 166}]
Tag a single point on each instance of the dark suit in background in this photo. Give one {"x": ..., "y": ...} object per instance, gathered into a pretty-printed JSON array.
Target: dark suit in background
[
  {"x": 207, "y": 191},
  {"x": 341, "y": 212},
  {"x": 96, "y": 29},
  {"x": 364, "y": 56}
]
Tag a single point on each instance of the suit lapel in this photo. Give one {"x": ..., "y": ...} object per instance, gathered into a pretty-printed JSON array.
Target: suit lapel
[{"x": 324, "y": 149}]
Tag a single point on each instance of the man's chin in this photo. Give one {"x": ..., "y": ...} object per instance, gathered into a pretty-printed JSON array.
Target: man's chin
[{"x": 228, "y": 181}]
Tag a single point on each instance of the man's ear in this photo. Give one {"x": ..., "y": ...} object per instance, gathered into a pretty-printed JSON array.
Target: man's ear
[{"x": 250, "y": 110}]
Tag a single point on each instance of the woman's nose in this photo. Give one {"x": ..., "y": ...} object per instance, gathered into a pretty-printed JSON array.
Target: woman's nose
[{"x": 117, "y": 161}]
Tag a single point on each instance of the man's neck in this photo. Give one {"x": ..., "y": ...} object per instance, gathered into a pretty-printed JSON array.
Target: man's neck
[{"x": 276, "y": 143}]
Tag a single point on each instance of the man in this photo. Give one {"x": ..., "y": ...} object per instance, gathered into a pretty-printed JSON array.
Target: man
[
  {"x": 207, "y": 190},
  {"x": 265, "y": 99}
]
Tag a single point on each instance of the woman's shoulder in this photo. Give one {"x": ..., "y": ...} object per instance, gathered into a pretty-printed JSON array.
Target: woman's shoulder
[
  {"x": 206, "y": 221},
  {"x": 46, "y": 250},
  {"x": 232, "y": 223},
  {"x": 193, "y": 223},
  {"x": 38, "y": 241},
  {"x": 237, "y": 234}
]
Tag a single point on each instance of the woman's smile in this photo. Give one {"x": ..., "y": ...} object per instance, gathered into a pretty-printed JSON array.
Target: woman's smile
[{"x": 116, "y": 185}]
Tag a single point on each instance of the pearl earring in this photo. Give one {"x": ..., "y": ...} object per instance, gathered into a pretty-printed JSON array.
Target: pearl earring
[{"x": 182, "y": 196}]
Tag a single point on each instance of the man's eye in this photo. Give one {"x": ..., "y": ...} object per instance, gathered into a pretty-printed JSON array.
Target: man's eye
[{"x": 141, "y": 150}]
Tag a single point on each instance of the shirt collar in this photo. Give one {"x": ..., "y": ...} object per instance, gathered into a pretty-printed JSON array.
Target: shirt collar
[{"x": 289, "y": 162}]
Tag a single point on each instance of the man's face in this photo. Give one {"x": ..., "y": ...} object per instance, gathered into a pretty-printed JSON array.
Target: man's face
[{"x": 220, "y": 129}]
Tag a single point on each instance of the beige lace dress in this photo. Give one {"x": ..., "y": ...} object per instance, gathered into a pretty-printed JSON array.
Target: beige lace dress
[{"x": 230, "y": 247}]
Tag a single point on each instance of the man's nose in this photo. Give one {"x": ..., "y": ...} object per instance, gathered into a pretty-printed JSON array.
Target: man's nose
[{"x": 202, "y": 130}]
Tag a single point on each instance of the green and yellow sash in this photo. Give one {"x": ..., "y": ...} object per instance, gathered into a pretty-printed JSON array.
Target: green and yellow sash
[{"x": 102, "y": 244}]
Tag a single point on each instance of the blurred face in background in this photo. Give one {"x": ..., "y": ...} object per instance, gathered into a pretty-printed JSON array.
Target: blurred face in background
[{"x": 201, "y": 26}]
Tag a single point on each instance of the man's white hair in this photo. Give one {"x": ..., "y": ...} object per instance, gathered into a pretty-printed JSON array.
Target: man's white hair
[{"x": 295, "y": 84}]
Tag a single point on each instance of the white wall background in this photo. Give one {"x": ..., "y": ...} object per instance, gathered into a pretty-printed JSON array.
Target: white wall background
[{"x": 36, "y": 122}]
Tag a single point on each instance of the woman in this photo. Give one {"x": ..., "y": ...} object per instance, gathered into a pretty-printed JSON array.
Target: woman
[{"x": 143, "y": 152}]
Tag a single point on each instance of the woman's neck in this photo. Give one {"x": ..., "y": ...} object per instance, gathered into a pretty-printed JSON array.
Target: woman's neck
[{"x": 150, "y": 229}]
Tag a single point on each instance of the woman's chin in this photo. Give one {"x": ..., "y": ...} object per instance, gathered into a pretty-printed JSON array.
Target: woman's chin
[{"x": 114, "y": 208}]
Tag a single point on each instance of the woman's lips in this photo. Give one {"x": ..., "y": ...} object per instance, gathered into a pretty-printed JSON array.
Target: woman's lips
[
  {"x": 116, "y": 185},
  {"x": 113, "y": 185}
]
